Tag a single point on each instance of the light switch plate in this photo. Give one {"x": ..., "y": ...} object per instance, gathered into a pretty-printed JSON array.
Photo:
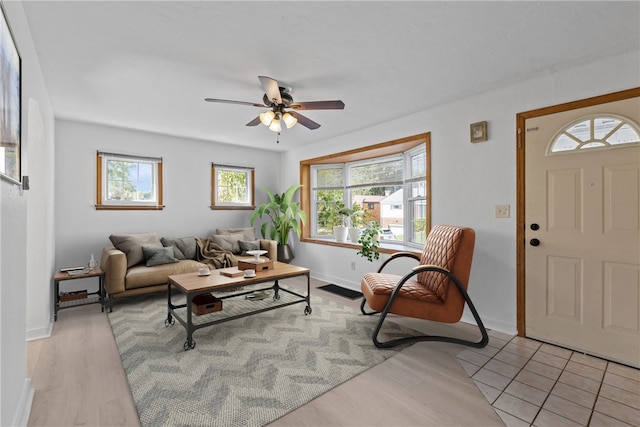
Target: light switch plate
[{"x": 503, "y": 211}]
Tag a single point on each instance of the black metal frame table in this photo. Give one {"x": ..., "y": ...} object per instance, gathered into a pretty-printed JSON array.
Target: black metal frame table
[
  {"x": 63, "y": 276},
  {"x": 192, "y": 285}
]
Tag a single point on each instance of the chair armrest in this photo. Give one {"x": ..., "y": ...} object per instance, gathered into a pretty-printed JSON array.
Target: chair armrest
[
  {"x": 397, "y": 255},
  {"x": 271, "y": 246},
  {"x": 114, "y": 264}
]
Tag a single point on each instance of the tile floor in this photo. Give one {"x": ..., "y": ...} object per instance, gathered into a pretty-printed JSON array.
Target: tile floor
[{"x": 530, "y": 383}]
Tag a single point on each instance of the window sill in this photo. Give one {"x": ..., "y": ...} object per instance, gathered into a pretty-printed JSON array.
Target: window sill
[
  {"x": 232, "y": 208},
  {"x": 385, "y": 248},
  {"x": 128, "y": 208}
]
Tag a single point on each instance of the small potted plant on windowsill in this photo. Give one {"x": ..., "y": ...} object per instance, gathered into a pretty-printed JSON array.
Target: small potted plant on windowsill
[
  {"x": 370, "y": 241},
  {"x": 355, "y": 217}
]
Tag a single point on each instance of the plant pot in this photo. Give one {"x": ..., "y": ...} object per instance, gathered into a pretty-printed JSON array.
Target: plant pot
[
  {"x": 340, "y": 232},
  {"x": 285, "y": 253},
  {"x": 354, "y": 234}
]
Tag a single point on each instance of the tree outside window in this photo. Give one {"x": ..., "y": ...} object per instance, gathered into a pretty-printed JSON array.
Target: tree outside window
[
  {"x": 128, "y": 182},
  {"x": 232, "y": 187}
]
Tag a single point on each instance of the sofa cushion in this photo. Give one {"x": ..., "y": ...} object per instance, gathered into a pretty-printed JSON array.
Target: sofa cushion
[
  {"x": 252, "y": 245},
  {"x": 141, "y": 276},
  {"x": 131, "y": 245},
  {"x": 248, "y": 233},
  {"x": 157, "y": 256},
  {"x": 183, "y": 247},
  {"x": 228, "y": 242}
]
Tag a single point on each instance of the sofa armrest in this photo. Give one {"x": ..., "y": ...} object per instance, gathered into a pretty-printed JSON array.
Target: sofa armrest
[
  {"x": 114, "y": 264},
  {"x": 271, "y": 246}
]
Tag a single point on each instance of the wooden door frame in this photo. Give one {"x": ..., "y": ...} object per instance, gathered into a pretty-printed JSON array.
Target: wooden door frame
[{"x": 520, "y": 184}]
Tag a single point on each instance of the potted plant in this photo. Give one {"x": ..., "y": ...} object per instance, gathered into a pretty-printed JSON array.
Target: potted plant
[
  {"x": 340, "y": 229},
  {"x": 355, "y": 220},
  {"x": 332, "y": 217},
  {"x": 282, "y": 216},
  {"x": 370, "y": 241}
]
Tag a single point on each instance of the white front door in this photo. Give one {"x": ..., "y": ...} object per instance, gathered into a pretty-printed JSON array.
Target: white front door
[{"x": 582, "y": 250}]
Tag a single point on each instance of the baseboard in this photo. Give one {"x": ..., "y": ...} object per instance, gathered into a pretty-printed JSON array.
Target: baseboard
[
  {"x": 21, "y": 416},
  {"x": 39, "y": 333},
  {"x": 489, "y": 323}
]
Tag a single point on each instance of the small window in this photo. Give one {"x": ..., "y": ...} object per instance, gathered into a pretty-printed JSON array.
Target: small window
[
  {"x": 595, "y": 132},
  {"x": 232, "y": 187},
  {"x": 128, "y": 182}
]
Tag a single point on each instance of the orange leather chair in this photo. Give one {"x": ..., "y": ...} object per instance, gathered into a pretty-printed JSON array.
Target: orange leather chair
[{"x": 435, "y": 290}]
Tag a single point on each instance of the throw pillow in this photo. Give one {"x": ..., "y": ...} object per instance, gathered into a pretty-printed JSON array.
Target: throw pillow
[
  {"x": 157, "y": 256},
  {"x": 245, "y": 246},
  {"x": 228, "y": 242},
  {"x": 131, "y": 245},
  {"x": 183, "y": 248},
  {"x": 248, "y": 232}
]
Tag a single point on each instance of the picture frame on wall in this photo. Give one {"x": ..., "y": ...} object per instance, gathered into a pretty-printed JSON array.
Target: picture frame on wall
[
  {"x": 10, "y": 104},
  {"x": 478, "y": 131}
]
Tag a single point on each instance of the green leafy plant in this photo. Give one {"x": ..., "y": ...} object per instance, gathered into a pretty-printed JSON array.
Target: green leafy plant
[
  {"x": 282, "y": 215},
  {"x": 355, "y": 215},
  {"x": 370, "y": 241}
]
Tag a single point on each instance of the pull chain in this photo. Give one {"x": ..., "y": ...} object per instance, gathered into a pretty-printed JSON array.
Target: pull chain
[{"x": 278, "y": 138}]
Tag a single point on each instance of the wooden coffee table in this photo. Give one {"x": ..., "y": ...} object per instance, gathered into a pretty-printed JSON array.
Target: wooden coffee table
[{"x": 192, "y": 285}]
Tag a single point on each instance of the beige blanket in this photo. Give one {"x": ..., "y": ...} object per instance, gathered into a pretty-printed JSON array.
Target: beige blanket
[{"x": 214, "y": 255}]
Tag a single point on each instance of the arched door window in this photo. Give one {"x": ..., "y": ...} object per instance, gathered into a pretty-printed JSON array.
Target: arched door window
[{"x": 593, "y": 132}]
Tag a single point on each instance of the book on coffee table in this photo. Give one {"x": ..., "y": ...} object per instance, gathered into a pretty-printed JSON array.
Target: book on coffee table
[{"x": 231, "y": 272}]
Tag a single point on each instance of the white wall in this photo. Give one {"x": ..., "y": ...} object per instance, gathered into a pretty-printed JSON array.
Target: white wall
[
  {"x": 26, "y": 228},
  {"x": 82, "y": 230},
  {"x": 468, "y": 180}
]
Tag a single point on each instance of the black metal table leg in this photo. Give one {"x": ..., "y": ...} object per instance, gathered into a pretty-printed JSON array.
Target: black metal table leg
[
  {"x": 56, "y": 299},
  {"x": 307, "y": 309},
  {"x": 170, "y": 320},
  {"x": 276, "y": 291},
  {"x": 190, "y": 343},
  {"x": 101, "y": 292}
]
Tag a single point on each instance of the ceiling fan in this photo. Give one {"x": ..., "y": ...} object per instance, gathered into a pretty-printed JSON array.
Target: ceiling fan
[{"x": 282, "y": 108}]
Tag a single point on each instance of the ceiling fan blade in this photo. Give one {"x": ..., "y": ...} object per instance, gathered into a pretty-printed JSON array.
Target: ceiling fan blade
[
  {"x": 305, "y": 121},
  {"x": 254, "y": 122},
  {"x": 226, "y": 101},
  {"x": 270, "y": 87},
  {"x": 318, "y": 105}
]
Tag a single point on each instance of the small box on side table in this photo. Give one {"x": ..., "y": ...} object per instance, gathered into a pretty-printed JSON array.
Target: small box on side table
[{"x": 251, "y": 264}]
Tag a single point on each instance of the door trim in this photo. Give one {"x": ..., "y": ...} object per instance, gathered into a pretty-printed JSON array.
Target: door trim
[{"x": 520, "y": 184}]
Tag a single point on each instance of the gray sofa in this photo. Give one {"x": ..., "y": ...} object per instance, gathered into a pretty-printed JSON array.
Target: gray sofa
[{"x": 137, "y": 264}]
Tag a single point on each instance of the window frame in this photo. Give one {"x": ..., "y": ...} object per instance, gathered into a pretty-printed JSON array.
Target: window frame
[
  {"x": 219, "y": 205},
  {"x": 587, "y": 145},
  {"x": 102, "y": 181},
  {"x": 378, "y": 151}
]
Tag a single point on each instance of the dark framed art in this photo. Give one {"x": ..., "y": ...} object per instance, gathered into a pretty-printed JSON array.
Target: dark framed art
[
  {"x": 10, "y": 103},
  {"x": 478, "y": 132}
]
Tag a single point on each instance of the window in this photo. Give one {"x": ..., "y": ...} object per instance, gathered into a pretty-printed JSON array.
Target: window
[
  {"x": 232, "y": 187},
  {"x": 128, "y": 182},
  {"x": 388, "y": 182},
  {"x": 595, "y": 132}
]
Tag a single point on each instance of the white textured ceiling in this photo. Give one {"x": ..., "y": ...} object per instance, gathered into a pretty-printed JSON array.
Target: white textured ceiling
[{"x": 148, "y": 65}]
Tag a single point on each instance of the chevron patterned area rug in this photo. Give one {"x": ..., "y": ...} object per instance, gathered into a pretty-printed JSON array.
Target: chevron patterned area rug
[{"x": 246, "y": 372}]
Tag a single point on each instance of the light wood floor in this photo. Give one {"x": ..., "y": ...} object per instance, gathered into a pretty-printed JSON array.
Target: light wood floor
[{"x": 79, "y": 380}]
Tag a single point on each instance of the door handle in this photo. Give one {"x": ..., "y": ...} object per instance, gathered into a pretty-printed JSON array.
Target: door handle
[
  {"x": 535, "y": 227},
  {"x": 534, "y": 242}
]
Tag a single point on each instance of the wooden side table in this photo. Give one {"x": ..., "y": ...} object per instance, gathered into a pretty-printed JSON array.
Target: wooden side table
[{"x": 63, "y": 275}]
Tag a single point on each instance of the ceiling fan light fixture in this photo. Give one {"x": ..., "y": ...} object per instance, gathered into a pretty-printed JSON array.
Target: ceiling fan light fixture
[
  {"x": 275, "y": 125},
  {"x": 289, "y": 120},
  {"x": 266, "y": 118}
]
